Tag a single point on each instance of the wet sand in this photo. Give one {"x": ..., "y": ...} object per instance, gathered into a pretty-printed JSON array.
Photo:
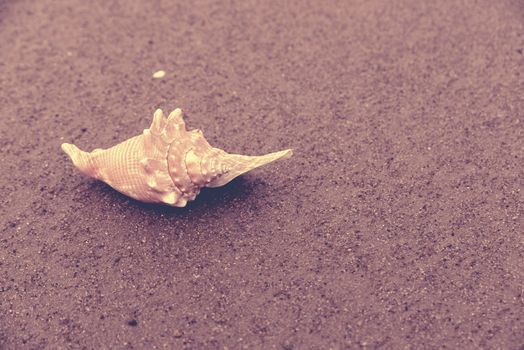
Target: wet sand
[{"x": 398, "y": 223}]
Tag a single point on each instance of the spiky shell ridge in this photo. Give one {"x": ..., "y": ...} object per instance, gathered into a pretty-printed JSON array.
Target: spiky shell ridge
[
  {"x": 138, "y": 166},
  {"x": 156, "y": 143},
  {"x": 165, "y": 164}
]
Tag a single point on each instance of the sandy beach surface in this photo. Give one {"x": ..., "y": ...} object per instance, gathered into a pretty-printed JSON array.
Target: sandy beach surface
[{"x": 397, "y": 224}]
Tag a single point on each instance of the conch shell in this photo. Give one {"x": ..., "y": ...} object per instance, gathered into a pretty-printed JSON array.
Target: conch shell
[{"x": 166, "y": 163}]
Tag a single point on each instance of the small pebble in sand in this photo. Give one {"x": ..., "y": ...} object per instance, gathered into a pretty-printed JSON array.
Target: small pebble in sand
[{"x": 159, "y": 74}]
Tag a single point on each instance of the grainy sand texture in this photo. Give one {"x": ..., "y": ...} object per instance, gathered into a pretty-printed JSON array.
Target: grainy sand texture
[{"x": 397, "y": 224}]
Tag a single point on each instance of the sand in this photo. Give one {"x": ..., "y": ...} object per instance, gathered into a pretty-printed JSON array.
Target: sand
[{"x": 398, "y": 222}]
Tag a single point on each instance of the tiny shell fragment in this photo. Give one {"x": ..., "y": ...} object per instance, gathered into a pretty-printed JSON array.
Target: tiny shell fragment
[{"x": 159, "y": 74}]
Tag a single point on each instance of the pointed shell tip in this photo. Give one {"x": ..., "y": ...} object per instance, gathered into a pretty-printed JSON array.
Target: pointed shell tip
[
  {"x": 287, "y": 153},
  {"x": 67, "y": 148}
]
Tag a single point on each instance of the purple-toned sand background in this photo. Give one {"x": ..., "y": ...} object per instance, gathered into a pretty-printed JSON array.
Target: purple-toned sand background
[{"x": 398, "y": 223}]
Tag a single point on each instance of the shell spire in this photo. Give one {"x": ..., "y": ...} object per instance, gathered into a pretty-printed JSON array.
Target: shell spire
[{"x": 166, "y": 163}]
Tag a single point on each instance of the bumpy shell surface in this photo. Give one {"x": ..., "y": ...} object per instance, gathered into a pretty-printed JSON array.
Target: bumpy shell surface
[{"x": 166, "y": 163}]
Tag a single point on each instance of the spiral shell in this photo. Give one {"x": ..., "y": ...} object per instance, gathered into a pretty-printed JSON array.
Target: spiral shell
[{"x": 166, "y": 163}]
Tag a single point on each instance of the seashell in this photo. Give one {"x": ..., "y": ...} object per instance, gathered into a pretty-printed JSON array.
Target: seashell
[{"x": 166, "y": 163}]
